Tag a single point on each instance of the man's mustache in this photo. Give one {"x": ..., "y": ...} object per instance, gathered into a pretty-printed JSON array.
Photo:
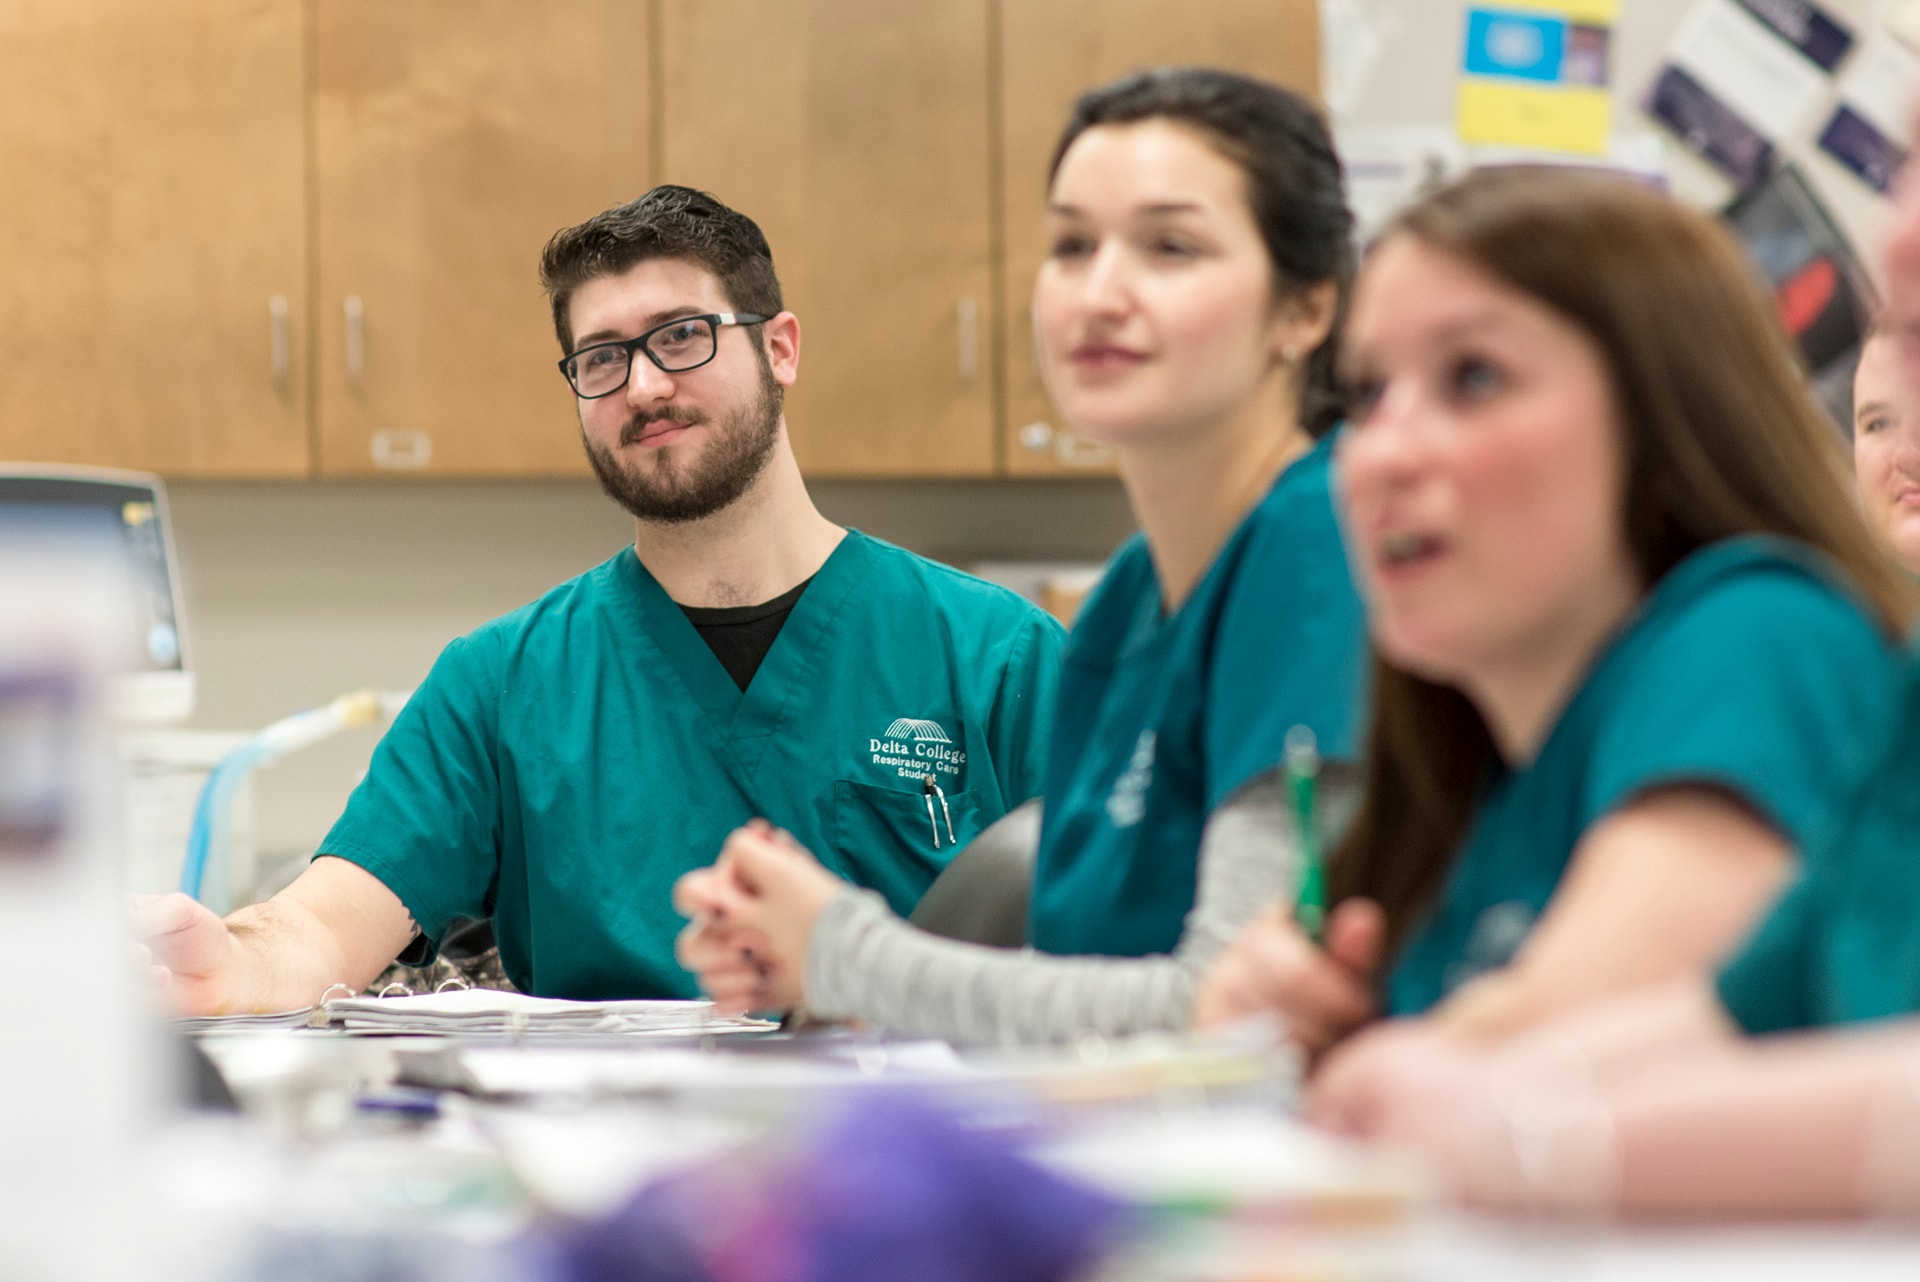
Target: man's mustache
[{"x": 637, "y": 425}]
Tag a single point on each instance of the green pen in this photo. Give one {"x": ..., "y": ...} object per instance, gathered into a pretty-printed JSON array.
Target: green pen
[{"x": 1303, "y": 765}]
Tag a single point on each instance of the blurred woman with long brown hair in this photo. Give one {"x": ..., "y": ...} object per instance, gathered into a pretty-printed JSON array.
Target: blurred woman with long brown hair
[
  {"x": 1715, "y": 1095},
  {"x": 1630, "y": 632}
]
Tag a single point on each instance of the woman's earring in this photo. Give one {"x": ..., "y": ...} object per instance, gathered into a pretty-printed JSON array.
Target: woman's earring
[{"x": 1290, "y": 353}]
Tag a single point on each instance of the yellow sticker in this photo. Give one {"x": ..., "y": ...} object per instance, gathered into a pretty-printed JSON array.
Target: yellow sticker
[
  {"x": 1592, "y": 12},
  {"x": 1518, "y": 115}
]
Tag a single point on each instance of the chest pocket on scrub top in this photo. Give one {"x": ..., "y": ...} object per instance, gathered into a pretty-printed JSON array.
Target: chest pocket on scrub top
[{"x": 886, "y": 840}]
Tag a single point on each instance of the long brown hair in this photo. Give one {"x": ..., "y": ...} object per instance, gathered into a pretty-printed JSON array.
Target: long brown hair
[{"x": 1721, "y": 436}]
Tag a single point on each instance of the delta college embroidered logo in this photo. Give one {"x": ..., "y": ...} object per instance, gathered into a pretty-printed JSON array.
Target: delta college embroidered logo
[{"x": 916, "y": 748}]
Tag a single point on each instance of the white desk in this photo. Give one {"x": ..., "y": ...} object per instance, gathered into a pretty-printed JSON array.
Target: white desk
[{"x": 307, "y": 1164}]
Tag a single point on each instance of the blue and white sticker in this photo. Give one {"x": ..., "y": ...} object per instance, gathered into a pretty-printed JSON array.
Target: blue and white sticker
[{"x": 1515, "y": 46}]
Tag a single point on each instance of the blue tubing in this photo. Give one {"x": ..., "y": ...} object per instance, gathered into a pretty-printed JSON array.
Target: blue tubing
[{"x": 212, "y": 812}]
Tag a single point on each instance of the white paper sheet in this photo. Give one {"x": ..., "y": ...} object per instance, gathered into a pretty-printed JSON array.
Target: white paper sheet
[{"x": 1762, "y": 78}]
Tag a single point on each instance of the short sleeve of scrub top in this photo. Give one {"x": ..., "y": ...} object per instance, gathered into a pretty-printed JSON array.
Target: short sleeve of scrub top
[
  {"x": 1843, "y": 943},
  {"x": 434, "y": 783},
  {"x": 1748, "y": 669},
  {"x": 1020, "y": 724},
  {"x": 1799, "y": 653}
]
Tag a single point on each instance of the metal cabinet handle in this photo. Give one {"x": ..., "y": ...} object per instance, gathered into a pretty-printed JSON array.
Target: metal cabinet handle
[
  {"x": 967, "y": 316},
  {"x": 356, "y": 314},
  {"x": 279, "y": 332},
  {"x": 1039, "y": 437}
]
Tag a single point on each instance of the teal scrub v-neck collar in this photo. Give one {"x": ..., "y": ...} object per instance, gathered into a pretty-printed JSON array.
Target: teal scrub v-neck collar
[
  {"x": 1152, "y": 622},
  {"x": 1153, "y": 625},
  {"x": 662, "y": 627}
]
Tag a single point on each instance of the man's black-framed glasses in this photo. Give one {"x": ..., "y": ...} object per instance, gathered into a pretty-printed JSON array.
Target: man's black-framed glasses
[{"x": 683, "y": 343}]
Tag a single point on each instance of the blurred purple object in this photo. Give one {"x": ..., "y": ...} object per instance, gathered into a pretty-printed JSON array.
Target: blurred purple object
[{"x": 890, "y": 1189}]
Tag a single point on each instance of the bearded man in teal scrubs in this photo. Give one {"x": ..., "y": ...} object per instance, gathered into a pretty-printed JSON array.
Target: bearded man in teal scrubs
[{"x": 562, "y": 765}]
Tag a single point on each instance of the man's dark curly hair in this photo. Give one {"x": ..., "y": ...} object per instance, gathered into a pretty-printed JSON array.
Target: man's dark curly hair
[{"x": 667, "y": 222}]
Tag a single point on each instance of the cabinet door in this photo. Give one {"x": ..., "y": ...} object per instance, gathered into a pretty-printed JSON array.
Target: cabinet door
[
  {"x": 451, "y": 139},
  {"x": 1053, "y": 50},
  {"x": 855, "y": 132},
  {"x": 153, "y": 298}
]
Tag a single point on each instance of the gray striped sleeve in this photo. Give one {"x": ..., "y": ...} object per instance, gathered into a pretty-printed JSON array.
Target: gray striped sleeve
[{"x": 865, "y": 963}]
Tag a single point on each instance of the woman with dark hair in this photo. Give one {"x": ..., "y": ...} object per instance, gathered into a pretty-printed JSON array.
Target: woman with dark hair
[
  {"x": 1200, "y": 249},
  {"x": 1630, "y": 633}
]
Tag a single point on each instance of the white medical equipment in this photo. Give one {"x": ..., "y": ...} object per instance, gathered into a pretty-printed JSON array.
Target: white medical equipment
[{"x": 119, "y": 521}]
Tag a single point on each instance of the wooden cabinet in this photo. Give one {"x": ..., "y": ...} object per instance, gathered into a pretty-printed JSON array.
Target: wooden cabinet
[
  {"x": 451, "y": 138},
  {"x": 153, "y": 287},
  {"x": 1052, "y": 50},
  {"x": 291, "y": 237},
  {"x": 856, "y": 133}
]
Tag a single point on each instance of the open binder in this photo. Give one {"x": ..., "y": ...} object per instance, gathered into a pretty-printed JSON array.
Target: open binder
[
  {"x": 487, "y": 1012},
  {"x": 480, "y": 1010}
]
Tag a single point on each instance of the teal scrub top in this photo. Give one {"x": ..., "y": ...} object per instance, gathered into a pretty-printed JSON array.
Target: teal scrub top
[
  {"x": 1843, "y": 944},
  {"x": 562, "y": 765},
  {"x": 1749, "y": 667},
  {"x": 1161, "y": 717}
]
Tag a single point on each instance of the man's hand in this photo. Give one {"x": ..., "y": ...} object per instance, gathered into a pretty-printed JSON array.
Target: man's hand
[
  {"x": 336, "y": 924},
  {"x": 194, "y": 958},
  {"x": 1274, "y": 969}
]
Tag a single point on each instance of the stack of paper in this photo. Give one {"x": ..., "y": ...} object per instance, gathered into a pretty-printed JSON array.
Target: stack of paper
[
  {"x": 198, "y": 1024},
  {"x": 479, "y": 1010}
]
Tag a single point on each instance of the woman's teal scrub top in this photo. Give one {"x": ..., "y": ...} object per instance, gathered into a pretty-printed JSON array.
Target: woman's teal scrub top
[
  {"x": 1161, "y": 717},
  {"x": 1749, "y": 668},
  {"x": 561, "y": 766},
  {"x": 1843, "y": 944}
]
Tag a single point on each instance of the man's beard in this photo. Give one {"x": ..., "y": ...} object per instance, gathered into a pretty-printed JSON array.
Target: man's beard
[{"x": 669, "y": 494}]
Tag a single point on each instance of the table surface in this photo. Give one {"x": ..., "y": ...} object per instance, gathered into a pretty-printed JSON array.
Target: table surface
[{"x": 326, "y": 1140}]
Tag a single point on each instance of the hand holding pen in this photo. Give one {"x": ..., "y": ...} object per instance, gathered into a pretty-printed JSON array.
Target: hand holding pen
[
  {"x": 1313, "y": 969},
  {"x": 1274, "y": 969}
]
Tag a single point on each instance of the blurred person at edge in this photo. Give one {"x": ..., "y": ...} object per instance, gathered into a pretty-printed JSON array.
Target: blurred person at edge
[{"x": 1886, "y": 445}]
